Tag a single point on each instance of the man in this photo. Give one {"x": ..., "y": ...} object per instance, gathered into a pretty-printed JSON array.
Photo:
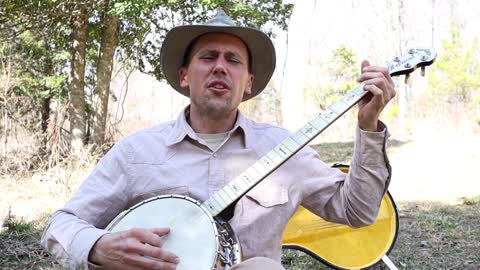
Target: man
[{"x": 219, "y": 65}]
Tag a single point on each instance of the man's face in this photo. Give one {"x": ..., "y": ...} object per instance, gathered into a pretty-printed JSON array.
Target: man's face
[{"x": 217, "y": 75}]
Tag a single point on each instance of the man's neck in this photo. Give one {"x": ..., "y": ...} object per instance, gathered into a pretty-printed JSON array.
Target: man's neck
[{"x": 208, "y": 125}]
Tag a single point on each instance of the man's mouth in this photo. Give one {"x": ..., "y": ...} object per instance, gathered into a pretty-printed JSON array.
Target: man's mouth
[{"x": 218, "y": 86}]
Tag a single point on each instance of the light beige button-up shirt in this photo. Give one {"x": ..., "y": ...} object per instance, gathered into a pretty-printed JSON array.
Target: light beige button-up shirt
[{"x": 171, "y": 159}]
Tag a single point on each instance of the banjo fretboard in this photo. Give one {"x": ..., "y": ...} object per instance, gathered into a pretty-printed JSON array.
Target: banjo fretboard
[{"x": 236, "y": 188}]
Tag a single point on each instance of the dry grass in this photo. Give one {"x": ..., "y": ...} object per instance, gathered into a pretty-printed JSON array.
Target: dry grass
[
  {"x": 431, "y": 236},
  {"x": 20, "y": 248}
]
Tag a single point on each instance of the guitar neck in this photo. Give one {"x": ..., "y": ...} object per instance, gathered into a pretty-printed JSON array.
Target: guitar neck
[{"x": 281, "y": 153}]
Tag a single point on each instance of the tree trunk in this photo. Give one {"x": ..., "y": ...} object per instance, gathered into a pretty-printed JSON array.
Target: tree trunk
[
  {"x": 77, "y": 85},
  {"x": 104, "y": 74},
  {"x": 49, "y": 71},
  {"x": 402, "y": 94}
]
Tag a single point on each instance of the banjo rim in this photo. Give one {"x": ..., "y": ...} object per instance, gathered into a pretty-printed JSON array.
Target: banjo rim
[{"x": 123, "y": 214}]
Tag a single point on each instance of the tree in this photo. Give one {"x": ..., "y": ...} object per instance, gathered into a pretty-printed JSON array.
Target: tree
[
  {"x": 109, "y": 42},
  {"x": 93, "y": 31},
  {"x": 456, "y": 73},
  {"x": 77, "y": 84},
  {"x": 143, "y": 26},
  {"x": 341, "y": 72}
]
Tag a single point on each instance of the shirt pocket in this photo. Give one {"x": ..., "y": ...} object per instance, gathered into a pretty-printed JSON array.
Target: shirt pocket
[
  {"x": 265, "y": 211},
  {"x": 180, "y": 190},
  {"x": 268, "y": 195}
]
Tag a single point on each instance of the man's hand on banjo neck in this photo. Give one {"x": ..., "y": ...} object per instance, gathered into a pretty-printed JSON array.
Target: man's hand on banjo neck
[{"x": 130, "y": 249}]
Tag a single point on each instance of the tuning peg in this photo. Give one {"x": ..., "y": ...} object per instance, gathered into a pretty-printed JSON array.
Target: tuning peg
[
  {"x": 407, "y": 79},
  {"x": 422, "y": 71}
]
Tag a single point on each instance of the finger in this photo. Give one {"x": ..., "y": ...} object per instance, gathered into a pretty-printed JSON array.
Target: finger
[
  {"x": 148, "y": 263},
  {"x": 364, "y": 64},
  {"x": 160, "y": 231},
  {"x": 380, "y": 84},
  {"x": 378, "y": 96},
  {"x": 160, "y": 254},
  {"x": 145, "y": 236},
  {"x": 370, "y": 75},
  {"x": 382, "y": 70}
]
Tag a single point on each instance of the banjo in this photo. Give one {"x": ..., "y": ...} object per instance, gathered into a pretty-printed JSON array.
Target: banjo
[{"x": 199, "y": 234}]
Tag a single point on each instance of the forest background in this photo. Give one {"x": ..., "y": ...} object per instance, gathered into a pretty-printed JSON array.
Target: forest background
[{"x": 76, "y": 76}]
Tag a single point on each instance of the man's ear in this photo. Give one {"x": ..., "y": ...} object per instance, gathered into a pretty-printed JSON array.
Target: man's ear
[
  {"x": 182, "y": 77},
  {"x": 248, "y": 89}
]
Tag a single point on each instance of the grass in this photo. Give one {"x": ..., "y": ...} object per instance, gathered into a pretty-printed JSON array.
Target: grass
[
  {"x": 20, "y": 247},
  {"x": 431, "y": 235}
]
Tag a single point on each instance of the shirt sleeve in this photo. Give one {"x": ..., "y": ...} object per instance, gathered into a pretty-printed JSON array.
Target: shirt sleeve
[
  {"x": 74, "y": 229},
  {"x": 354, "y": 198}
]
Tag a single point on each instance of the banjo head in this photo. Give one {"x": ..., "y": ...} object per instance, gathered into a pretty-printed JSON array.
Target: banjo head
[{"x": 193, "y": 233}]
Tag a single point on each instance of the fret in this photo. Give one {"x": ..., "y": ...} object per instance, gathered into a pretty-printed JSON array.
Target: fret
[
  {"x": 338, "y": 107},
  {"x": 309, "y": 130},
  {"x": 319, "y": 123},
  {"x": 290, "y": 144},
  {"x": 359, "y": 90},
  {"x": 213, "y": 206},
  {"x": 260, "y": 168},
  {"x": 267, "y": 163},
  {"x": 254, "y": 173},
  {"x": 275, "y": 157},
  {"x": 220, "y": 201},
  {"x": 282, "y": 151},
  {"x": 248, "y": 178},
  {"x": 239, "y": 184},
  {"x": 300, "y": 137},
  {"x": 237, "y": 187},
  {"x": 328, "y": 115},
  {"x": 227, "y": 197},
  {"x": 351, "y": 98}
]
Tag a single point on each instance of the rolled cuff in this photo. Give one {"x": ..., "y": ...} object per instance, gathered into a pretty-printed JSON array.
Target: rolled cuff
[{"x": 82, "y": 244}]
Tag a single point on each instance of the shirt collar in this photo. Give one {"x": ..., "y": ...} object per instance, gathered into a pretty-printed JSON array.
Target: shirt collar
[
  {"x": 182, "y": 128},
  {"x": 243, "y": 125}
]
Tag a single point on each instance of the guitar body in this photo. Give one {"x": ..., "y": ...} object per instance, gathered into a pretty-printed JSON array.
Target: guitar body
[
  {"x": 340, "y": 246},
  {"x": 198, "y": 239}
]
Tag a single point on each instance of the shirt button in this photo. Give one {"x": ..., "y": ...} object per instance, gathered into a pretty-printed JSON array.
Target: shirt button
[{"x": 215, "y": 155}]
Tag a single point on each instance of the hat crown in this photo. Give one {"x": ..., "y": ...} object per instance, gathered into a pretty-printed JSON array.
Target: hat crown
[{"x": 221, "y": 18}]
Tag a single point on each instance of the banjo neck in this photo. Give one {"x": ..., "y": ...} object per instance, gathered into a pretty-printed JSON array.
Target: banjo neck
[{"x": 247, "y": 180}]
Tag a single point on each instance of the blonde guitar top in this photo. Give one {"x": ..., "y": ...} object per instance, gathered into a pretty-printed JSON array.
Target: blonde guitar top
[{"x": 340, "y": 246}]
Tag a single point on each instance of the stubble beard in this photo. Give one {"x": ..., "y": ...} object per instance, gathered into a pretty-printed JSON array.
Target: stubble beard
[{"x": 210, "y": 108}]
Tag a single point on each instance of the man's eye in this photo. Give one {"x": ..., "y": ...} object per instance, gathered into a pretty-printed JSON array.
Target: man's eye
[
  {"x": 207, "y": 57},
  {"x": 234, "y": 60}
]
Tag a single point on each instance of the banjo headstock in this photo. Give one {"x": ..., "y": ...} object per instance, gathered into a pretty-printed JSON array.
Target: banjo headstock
[{"x": 416, "y": 58}]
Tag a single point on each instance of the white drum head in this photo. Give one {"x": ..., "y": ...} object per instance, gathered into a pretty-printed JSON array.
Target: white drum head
[{"x": 192, "y": 237}]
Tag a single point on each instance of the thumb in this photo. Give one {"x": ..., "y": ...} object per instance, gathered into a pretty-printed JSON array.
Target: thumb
[{"x": 365, "y": 64}]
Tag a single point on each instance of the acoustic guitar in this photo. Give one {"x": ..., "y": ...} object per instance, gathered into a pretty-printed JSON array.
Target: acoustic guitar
[{"x": 340, "y": 246}]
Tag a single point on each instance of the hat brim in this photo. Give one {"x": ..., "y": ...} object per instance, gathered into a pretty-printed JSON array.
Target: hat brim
[{"x": 179, "y": 38}]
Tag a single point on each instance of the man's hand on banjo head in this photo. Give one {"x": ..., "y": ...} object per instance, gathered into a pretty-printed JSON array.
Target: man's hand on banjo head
[
  {"x": 131, "y": 250},
  {"x": 379, "y": 83}
]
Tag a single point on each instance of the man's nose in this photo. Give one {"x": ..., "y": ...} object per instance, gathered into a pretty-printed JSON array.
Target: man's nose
[{"x": 220, "y": 66}]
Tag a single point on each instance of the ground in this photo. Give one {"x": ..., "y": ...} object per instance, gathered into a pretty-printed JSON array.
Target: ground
[{"x": 434, "y": 183}]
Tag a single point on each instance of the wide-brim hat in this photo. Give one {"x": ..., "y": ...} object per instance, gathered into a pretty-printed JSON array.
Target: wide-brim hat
[{"x": 179, "y": 38}]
